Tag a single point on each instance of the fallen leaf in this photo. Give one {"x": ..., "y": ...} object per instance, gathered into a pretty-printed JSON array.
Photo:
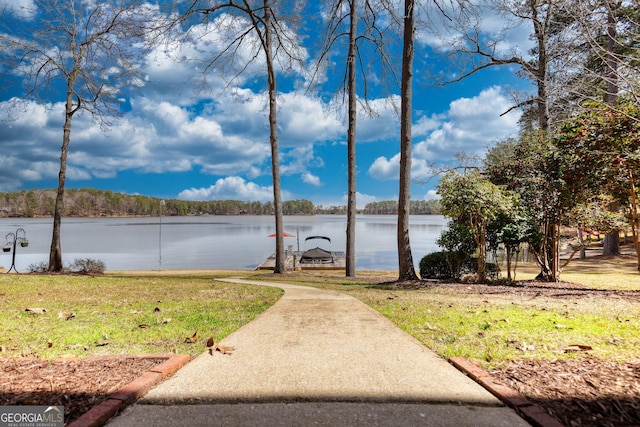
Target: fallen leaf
[
  {"x": 103, "y": 343},
  {"x": 49, "y": 343},
  {"x": 67, "y": 315},
  {"x": 430, "y": 327},
  {"x": 224, "y": 349},
  {"x": 210, "y": 342},
  {"x": 144, "y": 326},
  {"x": 166, "y": 320},
  {"x": 156, "y": 310},
  {"x": 192, "y": 339},
  {"x": 525, "y": 347},
  {"x": 577, "y": 347},
  {"x": 36, "y": 310}
]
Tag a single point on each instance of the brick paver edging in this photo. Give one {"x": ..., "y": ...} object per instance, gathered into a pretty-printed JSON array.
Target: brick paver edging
[
  {"x": 528, "y": 410},
  {"x": 100, "y": 414}
]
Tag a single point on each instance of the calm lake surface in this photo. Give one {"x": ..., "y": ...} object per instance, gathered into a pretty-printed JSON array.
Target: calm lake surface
[{"x": 213, "y": 242}]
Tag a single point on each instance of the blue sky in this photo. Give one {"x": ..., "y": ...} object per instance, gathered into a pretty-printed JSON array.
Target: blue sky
[{"x": 174, "y": 141}]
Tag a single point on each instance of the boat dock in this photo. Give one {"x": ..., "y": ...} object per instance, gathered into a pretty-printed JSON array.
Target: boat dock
[{"x": 292, "y": 262}]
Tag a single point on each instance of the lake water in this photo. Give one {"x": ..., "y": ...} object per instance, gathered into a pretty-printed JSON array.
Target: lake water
[{"x": 213, "y": 242}]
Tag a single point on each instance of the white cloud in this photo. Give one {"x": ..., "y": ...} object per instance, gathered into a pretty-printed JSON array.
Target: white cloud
[
  {"x": 303, "y": 119},
  {"x": 493, "y": 22},
  {"x": 431, "y": 195},
  {"x": 362, "y": 200},
  {"x": 22, "y": 9},
  {"x": 383, "y": 124},
  {"x": 154, "y": 137},
  {"x": 309, "y": 178},
  {"x": 230, "y": 188},
  {"x": 470, "y": 126},
  {"x": 383, "y": 168}
]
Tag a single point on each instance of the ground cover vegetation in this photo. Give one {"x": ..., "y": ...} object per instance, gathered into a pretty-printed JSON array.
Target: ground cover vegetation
[
  {"x": 71, "y": 340},
  {"x": 48, "y": 316},
  {"x": 529, "y": 333}
]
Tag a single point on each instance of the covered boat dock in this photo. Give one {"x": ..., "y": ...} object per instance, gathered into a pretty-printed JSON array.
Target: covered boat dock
[
  {"x": 312, "y": 259},
  {"x": 292, "y": 262}
]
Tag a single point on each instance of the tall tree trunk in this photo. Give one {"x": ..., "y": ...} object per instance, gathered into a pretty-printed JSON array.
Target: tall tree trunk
[
  {"x": 351, "y": 146},
  {"x": 611, "y": 243},
  {"x": 482, "y": 253},
  {"x": 279, "y": 266},
  {"x": 55, "y": 253},
  {"x": 405, "y": 259},
  {"x": 540, "y": 25},
  {"x": 555, "y": 252},
  {"x": 635, "y": 218}
]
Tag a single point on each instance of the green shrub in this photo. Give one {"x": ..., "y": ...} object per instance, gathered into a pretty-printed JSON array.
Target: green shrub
[
  {"x": 436, "y": 266},
  {"x": 448, "y": 266},
  {"x": 470, "y": 266}
]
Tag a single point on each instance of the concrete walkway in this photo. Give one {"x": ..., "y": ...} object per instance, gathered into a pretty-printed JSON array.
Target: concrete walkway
[{"x": 318, "y": 357}]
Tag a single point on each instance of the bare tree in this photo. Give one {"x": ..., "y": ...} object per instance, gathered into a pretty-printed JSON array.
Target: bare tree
[
  {"x": 375, "y": 36},
  {"x": 350, "y": 268},
  {"x": 82, "y": 52},
  {"x": 406, "y": 268},
  {"x": 608, "y": 42},
  {"x": 605, "y": 44},
  {"x": 261, "y": 22},
  {"x": 473, "y": 49}
]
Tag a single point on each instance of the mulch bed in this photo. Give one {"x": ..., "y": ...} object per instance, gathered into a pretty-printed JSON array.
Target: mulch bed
[
  {"x": 78, "y": 384},
  {"x": 579, "y": 392},
  {"x": 523, "y": 287}
]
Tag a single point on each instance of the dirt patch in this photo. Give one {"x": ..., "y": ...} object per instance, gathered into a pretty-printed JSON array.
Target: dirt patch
[
  {"x": 78, "y": 384},
  {"x": 579, "y": 392}
]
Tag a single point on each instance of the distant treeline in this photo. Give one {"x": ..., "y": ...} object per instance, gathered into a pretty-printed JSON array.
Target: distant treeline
[
  {"x": 390, "y": 207},
  {"x": 87, "y": 202}
]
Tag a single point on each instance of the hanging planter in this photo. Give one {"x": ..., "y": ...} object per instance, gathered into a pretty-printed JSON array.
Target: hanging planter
[
  {"x": 6, "y": 249},
  {"x": 24, "y": 244}
]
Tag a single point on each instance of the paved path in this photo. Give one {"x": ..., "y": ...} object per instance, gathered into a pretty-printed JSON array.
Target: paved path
[{"x": 318, "y": 357}]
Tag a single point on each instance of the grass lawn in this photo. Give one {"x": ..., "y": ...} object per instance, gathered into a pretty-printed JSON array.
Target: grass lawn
[
  {"x": 494, "y": 327},
  {"x": 147, "y": 312},
  {"x": 122, "y": 313}
]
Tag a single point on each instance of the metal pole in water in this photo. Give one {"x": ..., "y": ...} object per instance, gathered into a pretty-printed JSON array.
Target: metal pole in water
[{"x": 160, "y": 237}]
